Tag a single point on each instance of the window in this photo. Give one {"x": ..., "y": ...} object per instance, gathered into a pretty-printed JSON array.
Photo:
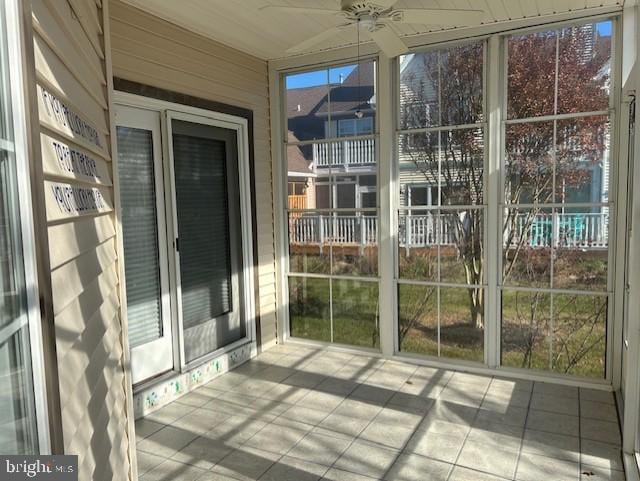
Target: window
[
  {"x": 333, "y": 240},
  {"x": 441, "y": 253},
  {"x": 511, "y": 270},
  {"x": 18, "y": 429},
  {"x": 554, "y": 274}
]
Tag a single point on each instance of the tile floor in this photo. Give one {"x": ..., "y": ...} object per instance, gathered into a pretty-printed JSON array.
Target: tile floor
[{"x": 297, "y": 414}]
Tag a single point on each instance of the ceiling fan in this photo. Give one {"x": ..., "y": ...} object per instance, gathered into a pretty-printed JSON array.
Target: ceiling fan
[{"x": 374, "y": 18}]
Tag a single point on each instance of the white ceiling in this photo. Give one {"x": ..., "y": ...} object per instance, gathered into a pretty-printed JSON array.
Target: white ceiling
[{"x": 267, "y": 34}]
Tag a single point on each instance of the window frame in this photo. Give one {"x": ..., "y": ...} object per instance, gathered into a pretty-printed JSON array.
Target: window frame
[
  {"x": 332, "y": 136},
  {"x": 438, "y": 208},
  {"x": 19, "y": 76},
  {"x": 613, "y": 204},
  {"x": 388, "y": 123}
]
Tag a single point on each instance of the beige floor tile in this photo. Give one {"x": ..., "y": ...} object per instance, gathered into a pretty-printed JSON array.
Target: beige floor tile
[
  {"x": 246, "y": 464},
  {"x": 320, "y": 448},
  {"x": 547, "y": 402},
  {"x": 387, "y": 435},
  {"x": 411, "y": 467},
  {"x": 604, "y": 455},
  {"x": 174, "y": 471},
  {"x": 166, "y": 442},
  {"x": 494, "y": 461},
  {"x": 551, "y": 445},
  {"x": 553, "y": 423},
  {"x": 275, "y": 438},
  {"x": 441, "y": 446},
  {"x": 532, "y": 467},
  {"x": 368, "y": 459},
  {"x": 602, "y": 431},
  {"x": 294, "y": 469}
]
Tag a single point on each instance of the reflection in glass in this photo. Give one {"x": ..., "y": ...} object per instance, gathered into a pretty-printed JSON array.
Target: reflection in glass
[
  {"x": 526, "y": 254},
  {"x": 355, "y": 313},
  {"x": 579, "y": 335},
  {"x": 418, "y": 319},
  {"x": 526, "y": 328},
  {"x": 442, "y": 87},
  {"x": 309, "y": 308}
]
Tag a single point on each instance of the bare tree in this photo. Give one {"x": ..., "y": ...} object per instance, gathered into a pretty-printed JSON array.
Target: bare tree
[{"x": 545, "y": 161}]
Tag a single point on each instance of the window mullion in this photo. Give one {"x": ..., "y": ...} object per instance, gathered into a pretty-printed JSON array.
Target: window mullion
[
  {"x": 495, "y": 92},
  {"x": 386, "y": 155}
]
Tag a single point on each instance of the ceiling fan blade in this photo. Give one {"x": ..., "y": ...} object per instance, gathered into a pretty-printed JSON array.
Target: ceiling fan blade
[
  {"x": 446, "y": 17},
  {"x": 388, "y": 41},
  {"x": 316, "y": 39},
  {"x": 301, "y": 10}
]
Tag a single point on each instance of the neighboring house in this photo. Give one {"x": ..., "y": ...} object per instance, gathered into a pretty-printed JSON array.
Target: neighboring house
[{"x": 329, "y": 111}]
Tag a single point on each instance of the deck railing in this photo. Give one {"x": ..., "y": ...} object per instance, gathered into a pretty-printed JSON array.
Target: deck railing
[
  {"x": 584, "y": 231},
  {"x": 346, "y": 153}
]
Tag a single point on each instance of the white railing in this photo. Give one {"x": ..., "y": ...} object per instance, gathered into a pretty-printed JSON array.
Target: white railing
[
  {"x": 585, "y": 231},
  {"x": 346, "y": 153}
]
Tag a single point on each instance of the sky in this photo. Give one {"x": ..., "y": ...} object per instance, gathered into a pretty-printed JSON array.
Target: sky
[
  {"x": 604, "y": 28},
  {"x": 319, "y": 77}
]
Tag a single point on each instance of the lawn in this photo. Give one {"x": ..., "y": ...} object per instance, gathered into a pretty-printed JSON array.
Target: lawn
[{"x": 574, "y": 342}]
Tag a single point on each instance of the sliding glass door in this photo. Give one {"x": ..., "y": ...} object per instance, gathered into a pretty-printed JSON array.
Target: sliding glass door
[
  {"x": 207, "y": 233},
  {"x": 180, "y": 192},
  {"x": 145, "y": 251}
]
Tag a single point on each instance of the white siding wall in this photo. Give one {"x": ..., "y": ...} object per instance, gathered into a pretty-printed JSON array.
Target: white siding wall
[
  {"x": 72, "y": 88},
  {"x": 152, "y": 51}
]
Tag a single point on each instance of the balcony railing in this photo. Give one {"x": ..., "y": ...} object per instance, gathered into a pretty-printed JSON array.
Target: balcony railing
[
  {"x": 582, "y": 231},
  {"x": 345, "y": 153}
]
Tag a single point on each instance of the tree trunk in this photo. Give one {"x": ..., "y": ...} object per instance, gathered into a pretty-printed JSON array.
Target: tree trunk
[
  {"x": 476, "y": 307},
  {"x": 476, "y": 295}
]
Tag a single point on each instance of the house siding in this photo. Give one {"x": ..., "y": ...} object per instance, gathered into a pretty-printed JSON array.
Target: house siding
[
  {"x": 72, "y": 79},
  {"x": 152, "y": 51}
]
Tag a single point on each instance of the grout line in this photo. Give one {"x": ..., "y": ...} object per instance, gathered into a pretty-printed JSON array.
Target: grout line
[
  {"x": 466, "y": 437},
  {"x": 524, "y": 430}
]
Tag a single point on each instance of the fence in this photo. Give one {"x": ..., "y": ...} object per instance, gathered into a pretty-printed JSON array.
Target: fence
[
  {"x": 586, "y": 231},
  {"x": 344, "y": 153}
]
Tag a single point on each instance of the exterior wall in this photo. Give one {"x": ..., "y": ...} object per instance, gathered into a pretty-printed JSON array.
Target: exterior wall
[
  {"x": 152, "y": 51},
  {"x": 71, "y": 56}
]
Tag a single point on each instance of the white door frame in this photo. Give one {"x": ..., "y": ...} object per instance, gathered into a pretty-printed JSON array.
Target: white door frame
[
  {"x": 155, "y": 357},
  {"x": 171, "y": 115},
  {"x": 241, "y": 126}
]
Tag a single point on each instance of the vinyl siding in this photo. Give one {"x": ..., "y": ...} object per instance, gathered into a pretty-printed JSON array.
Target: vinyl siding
[
  {"x": 152, "y": 51},
  {"x": 71, "y": 77}
]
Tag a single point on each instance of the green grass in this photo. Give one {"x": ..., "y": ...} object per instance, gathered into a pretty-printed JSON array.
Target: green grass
[
  {"x": 355, "y": 311},
  {"x": 575, "y": 343}
]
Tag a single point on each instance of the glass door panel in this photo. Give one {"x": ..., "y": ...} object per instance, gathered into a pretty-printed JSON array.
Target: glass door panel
[
  {"x": 208, "y": 238},
  {"x": 148, "y": 309}
]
